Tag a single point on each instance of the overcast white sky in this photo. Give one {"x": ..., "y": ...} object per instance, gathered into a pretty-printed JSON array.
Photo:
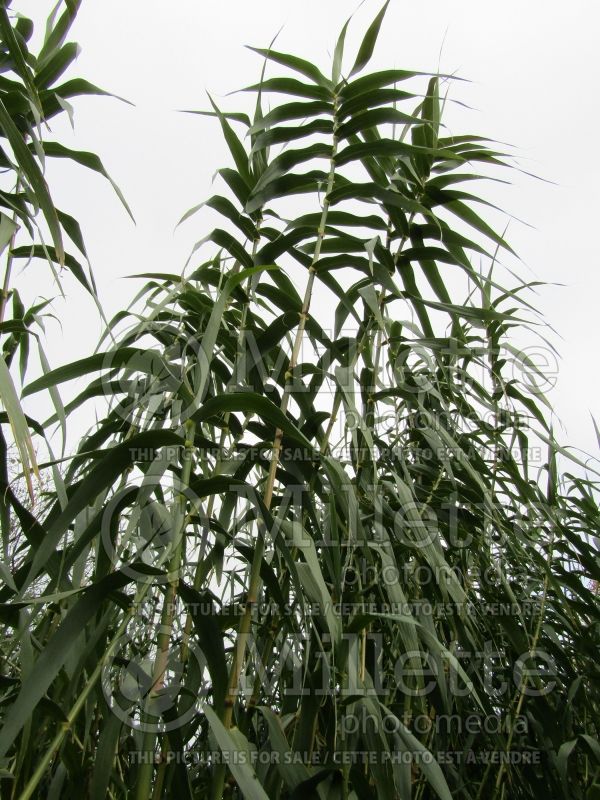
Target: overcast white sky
[{"x": 534, "y": 68}]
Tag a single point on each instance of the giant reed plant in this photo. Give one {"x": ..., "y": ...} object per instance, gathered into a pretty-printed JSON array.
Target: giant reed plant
[
  {"x": 310, "y": 550},
  {"x": 32, "y": 228}
]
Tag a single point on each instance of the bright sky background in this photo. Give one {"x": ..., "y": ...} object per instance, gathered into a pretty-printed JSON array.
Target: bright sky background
[{"x": 533, "y": 67}]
